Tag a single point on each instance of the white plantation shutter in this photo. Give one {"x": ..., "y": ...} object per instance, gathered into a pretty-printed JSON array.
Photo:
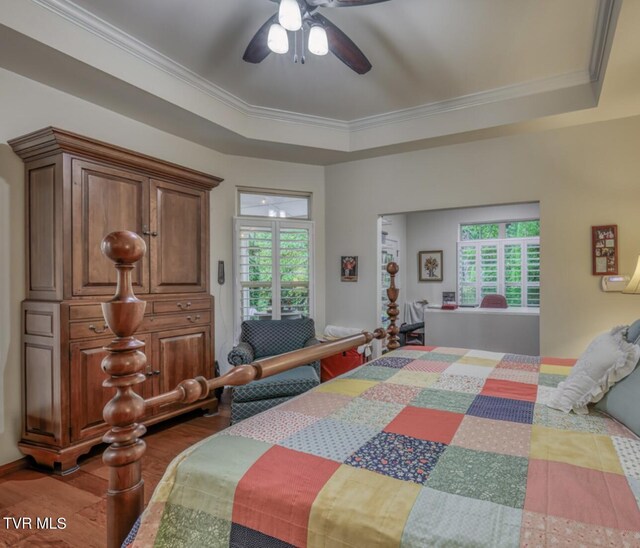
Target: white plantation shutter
[
  {"x": 510, "y": 267},
  {"x": 274, "y": 269}
]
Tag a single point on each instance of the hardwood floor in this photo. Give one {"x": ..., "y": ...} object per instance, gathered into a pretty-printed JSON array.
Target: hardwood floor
[{"x": 79, "y": 498}]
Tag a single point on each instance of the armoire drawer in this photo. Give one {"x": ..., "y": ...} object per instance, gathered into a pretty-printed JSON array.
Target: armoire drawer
[
  {"x": 97, "y": 328},
  {"x": 169, "y": 321},
  {"x": 94, "y": 311},
  {"x": 181, "y": 305}
]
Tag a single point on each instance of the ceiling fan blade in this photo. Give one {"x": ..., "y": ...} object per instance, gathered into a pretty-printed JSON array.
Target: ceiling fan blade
[
  {"x": 257, "y": 50},
  {"x": 343, "y": 47},
  {"x": 341, "y": 3}
]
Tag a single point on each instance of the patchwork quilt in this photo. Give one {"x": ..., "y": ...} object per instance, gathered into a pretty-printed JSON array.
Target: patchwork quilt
[{"x": 426, "y": 446}]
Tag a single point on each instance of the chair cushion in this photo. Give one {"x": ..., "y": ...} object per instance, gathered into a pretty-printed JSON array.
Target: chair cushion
[
  {"x": 272, "y": 337},
  {"x": 288, "y": 383}
]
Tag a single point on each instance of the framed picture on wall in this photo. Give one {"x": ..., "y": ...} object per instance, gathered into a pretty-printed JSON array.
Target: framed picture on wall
[
  {"x": 349, "y": 268},
  {"x": 604, "y": 240},
  {"x": 430, "y": 266}
]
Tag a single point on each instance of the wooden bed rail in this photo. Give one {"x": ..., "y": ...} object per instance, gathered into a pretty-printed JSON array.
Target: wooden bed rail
[{"x": 125, "y": 363}]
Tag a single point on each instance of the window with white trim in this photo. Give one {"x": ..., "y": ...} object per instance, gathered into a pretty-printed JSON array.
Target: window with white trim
[
  {"x": 273, "y": 263},
  {"x": 501, "y": 258}
]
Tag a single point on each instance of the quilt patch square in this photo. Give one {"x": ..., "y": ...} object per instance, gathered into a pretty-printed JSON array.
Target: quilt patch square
[
  {"x": 614, "y": 428},
  {"x": 426, "y": 424},
  {"x": 510, "y": 390},
  {"x": 376, "y": 414},
  {"x": 316, "y": 404},
  {"x": 541, "y": 530},
  {"x": 459, "y": 383},
  {"x": 566, "y": 362},
  {"x": 181, "y": 526},
  {"x": 628, "y": 451},
  {"x": 468, "y": 370},
  {"x": 515, "y": 375},
  {"x": 521, "y": 358},
  {"x": 549, "y": 369},
  {"x": 275, "y": 496},
  {"x": 507, "y": 438},
  {"x": 397, "y": 456},
  {"x": 552, "y": 418},
  {"x": 490, "y": 407},
  {"x": 395, "y": 363},
  {"x": 427, "y": 366},
  {"x": 445, "y": 400},
  {"x": 346, "y": 387},
  {"x": 245, "y": 536},
  {"x": 331, "y": 439},
  {"x": 577, "y": 448},
  {"x": 551, "y": 381},
  {"x": 371, "y": 373},
  {"x": 478, "y": 360},
  {"x": 414, "y": 378},
  {"x": 392, "y": 393},
  {"x": 270, "y": 427},
  {"x": 480, "y": 475},
  {"x": 371, "y": 494},
  {"x": 605, "y": 499},
  {"x": 506, "y": 363},
  {"x": 412, "y": 352},
  {"x": 442, "y": 519},
  {"x": 440, "y": 356},
  {"x": 450, "y": 350},
  {"x": 486, "y": 355}
]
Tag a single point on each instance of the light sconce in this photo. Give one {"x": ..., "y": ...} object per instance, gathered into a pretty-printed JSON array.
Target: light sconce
[
  {"x": 289, "y": 15},
  {"x": 318, "y": 42},
  {"x": 278, "y": 39}
]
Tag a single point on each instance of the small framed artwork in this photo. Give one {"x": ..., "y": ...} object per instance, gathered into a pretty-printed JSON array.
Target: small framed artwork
[
  {"x": 430, "y": 266},
  {"x": 604, "y": 249},
  {"x": 349, "y": 268}
]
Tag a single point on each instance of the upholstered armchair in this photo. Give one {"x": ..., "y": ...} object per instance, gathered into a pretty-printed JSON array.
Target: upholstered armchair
[{"x": 264, "y": 338}]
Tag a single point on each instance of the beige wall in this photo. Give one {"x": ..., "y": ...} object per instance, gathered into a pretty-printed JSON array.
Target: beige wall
[
  {"x": 582, "y": 176},
  {"x": 26, "y": 106}
]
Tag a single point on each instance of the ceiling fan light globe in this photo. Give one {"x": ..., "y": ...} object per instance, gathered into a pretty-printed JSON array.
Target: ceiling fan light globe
[
  {"x": 289, "y": 15},
  {"x": 278, "y": 39},
  {"x": 318, "y": 41}
]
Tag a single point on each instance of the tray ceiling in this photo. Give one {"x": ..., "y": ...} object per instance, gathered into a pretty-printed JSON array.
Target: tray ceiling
[{"x": 441, "y": 68}]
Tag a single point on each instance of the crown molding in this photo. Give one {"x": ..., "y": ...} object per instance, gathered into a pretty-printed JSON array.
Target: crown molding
[{"x": 117, "y": 37}]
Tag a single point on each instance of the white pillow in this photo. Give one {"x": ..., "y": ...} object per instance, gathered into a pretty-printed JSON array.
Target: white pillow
[{"x": 608, "y": 359}]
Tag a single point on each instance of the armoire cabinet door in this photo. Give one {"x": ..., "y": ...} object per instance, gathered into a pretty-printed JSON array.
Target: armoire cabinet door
[
  {"x": 104, "y": 200},
  {"x": 179, "y": 238},
  {"x": 88, "y": 396},
  {"x": 180, "y": 354}
]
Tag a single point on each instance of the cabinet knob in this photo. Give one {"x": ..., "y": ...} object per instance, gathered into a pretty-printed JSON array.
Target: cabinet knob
[
  {"x": 183, "y": 306},
  {"x": 195, "y": 319},
  {"x": 98, "y": 329},
  {"x": 157, "y": 372}
]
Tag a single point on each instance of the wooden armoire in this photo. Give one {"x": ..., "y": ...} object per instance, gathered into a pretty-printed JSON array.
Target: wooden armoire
[{"x": 77, "y": 191}]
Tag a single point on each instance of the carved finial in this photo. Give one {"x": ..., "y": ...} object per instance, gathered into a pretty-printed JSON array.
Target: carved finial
[
  {"x": 124, "y": 364},
  {"x": 392, "y": 308},
  {"x": 123, "y": 247}
]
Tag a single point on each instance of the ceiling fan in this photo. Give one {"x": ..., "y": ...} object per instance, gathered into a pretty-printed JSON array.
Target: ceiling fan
[{"x": 324, "y": 36}]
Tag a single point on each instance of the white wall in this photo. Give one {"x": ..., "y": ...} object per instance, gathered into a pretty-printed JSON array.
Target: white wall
[
  {"x": 582, "y": 176},
  {"x": 432, "y": 230},
  {"x": 26, "y": 106}
]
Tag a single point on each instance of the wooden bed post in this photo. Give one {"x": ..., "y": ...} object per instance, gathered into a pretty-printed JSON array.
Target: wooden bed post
[
  {"x": 124, "y": 364},
  {"x": 392, "y": 308}
]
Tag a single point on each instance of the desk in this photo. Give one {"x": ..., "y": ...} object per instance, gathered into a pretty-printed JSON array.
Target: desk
[{"x": 512, "y": 330}]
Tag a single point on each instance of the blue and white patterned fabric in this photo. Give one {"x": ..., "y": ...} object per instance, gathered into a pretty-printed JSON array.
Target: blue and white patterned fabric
[{"x": 265, "y": 338}]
